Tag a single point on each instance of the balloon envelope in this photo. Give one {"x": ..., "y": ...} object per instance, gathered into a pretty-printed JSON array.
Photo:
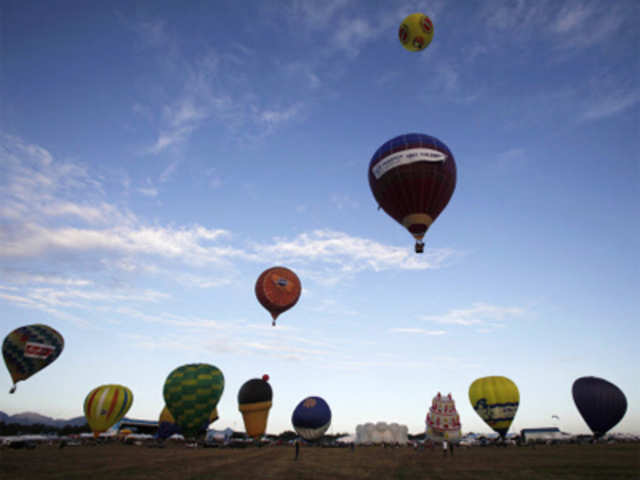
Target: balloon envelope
[
  {"x": 412, "y": 177},
  {"x": 105, "y": 406},
  {"x": 167, "y": 425},
  {"x": 191, "y": 392},
  {"x": 416, "y": 32},
  {"x": 496, "y": 400},
  {"x": 311, "y": 418},
  {"x": 254, "y": 401},
  {"x": 601, "y": 403},
  {"x": 278, "y": 289},
  {"x": 29, "y": 349}
]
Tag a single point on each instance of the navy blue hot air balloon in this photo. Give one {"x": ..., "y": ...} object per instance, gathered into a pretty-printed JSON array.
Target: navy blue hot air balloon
[
  {"x": 412, "y": 177},
  {"x": 601, "y": 404},
  {"x": 311, "y": 418}
]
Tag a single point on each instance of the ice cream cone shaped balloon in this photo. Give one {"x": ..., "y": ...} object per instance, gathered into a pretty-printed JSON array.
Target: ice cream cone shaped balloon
[{"x": 254, "y": 401}]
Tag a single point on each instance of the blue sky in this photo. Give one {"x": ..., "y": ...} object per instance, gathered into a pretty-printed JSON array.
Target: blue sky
[{"x": 156, "y": 157}]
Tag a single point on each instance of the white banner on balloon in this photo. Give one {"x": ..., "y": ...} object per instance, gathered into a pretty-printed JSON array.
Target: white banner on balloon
[
  {"x": 38, "y": 350},
  {"x": 405, "y": 157}
]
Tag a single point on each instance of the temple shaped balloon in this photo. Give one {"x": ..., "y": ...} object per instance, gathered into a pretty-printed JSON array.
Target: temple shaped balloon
[
  {"x": 254, "y": 402},
  {"x": 601, "y": 403},
  {"x": 278, "y": 289},
  {"x": 29, "y": 349},
  {"x": 382, "y": 432},
  {"x": 311, "y": 418},
  {"x": 443, "y": 421},
  {"x": 412, "y": 177}
]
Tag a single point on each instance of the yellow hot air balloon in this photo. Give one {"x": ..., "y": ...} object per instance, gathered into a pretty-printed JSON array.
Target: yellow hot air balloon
[
  {"x": 106, "y": 405},
  {"x": 416, "y": 32},
  {"x": 496, "y": 400}
]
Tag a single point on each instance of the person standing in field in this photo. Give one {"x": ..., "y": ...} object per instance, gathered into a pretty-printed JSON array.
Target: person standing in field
[
  {"x": 297, "y": 449},
  {"x": 444, "y": 448}
]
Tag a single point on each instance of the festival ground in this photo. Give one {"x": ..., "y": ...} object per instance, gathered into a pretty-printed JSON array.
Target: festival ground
[{"x": 119, "y": 461}]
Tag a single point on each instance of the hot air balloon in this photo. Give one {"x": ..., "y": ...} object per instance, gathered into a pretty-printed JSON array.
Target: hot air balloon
[
  {"x": 416, "y": 32},
  {"x": 191, "y": 392},
  {"x": 29, "y": 349},
  {"x": 496, "y": 400},
  {"x": 601, "y": 404},
  {"x": 412, "y": 177},
  {"x": 443, "y": 421},
  {"x": 105, "y": 406},
  {"x": 278, "y": 289},
  {"x": 254, "y": 401},
  {"x": 167, "y": 424},
  {"x": 311, "y": 418}
]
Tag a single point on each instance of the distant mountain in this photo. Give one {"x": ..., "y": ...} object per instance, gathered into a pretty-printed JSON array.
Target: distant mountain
[{"x": 31, "y": 418}]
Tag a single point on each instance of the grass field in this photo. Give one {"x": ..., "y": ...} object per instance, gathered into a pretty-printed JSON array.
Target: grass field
[{"x": 119, "y": 461}]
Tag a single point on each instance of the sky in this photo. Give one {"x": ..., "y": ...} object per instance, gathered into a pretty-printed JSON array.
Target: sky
[{"x": 156, "y": 157}]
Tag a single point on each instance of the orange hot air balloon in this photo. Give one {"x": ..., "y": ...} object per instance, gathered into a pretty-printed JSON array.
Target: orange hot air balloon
[{"x": 278, "y": 289}]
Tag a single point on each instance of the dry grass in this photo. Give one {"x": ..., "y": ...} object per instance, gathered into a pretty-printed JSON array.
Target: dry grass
[{"x": 119, "y": 461}]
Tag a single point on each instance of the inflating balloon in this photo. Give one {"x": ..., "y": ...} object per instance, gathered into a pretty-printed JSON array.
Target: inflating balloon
[
  {"x": 29, "y": 349},
  {"x": 167, "y": 424},
  {"x": 254, "y": 401},
  {"x": 412, "y": 177},
  {"x": 278, "y": 289},
  {"x": 443, "y": 421},
  {"x": 191, "y": 392},
  {"x": 496, "y": 400},
  {"x": 601, "y": 403},
  {"x": 416, "y": 32},
  {"x": 106, "y": 405},
  {"x": 311, "y": 418}
]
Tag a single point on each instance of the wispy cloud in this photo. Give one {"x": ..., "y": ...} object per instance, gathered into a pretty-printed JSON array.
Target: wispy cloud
[
  {"x": 479, "y": 314},
  {"x": 611, "y": 103},
  {"x": 19, "y": 277},
  {"x": 579, "y": 25},
  {"x": 417, "y": 331},
  {"x": 148, "y": 191},
  {"x": 211, "y": 87},
  {"x": 343, "y": 200},
  {"x": 105, "y": 245},
  {"x": 572, "y": 25},
  {"x": 350, "y": 253}
]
